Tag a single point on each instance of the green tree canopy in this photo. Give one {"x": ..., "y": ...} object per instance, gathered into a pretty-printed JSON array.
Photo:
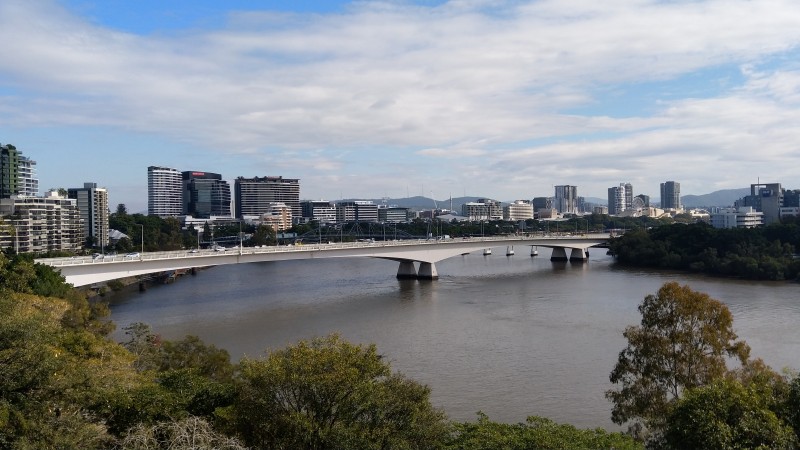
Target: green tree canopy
[
  {"x": 726, "y": 415},
  {"x": 535, "y": 433},
  {"x": 683, "y": 342},
  {"x": 330, "y": 394}
]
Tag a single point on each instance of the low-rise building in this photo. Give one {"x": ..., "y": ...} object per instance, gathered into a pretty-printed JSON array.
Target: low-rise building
[
  {"x": 392, "y": 214},
  {"x": 740, "y": 217},
  {"x": 519, "y": 210},
  {"x": 356, "y": 211},
  {"x": 278, "y": 216},
  {"x": 321, "y": 211},
  {"x": 483, "y": 209}
]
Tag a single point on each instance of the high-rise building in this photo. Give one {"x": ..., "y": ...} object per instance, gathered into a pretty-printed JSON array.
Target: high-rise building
[
  {"x": 28, "y": 183},
  {"x": 617, "y": 196},
  {"x": 766, "y": 198},
  {"x": 671, "y": 195},
  {"x": 565, "y": 200},
  {"x": 206, "y": 195},
  {"x": 92, "y": 203},
  {"x": 9, "y": 171},
  {"x": 540, "y": 203},
  {"x": 41, "y": 224},
  {"x": 253, "y": 195},
  {"x": 17, "y": 173},
  {"x": 164, "y": 192},
  {"x": 628, "y": 195}
]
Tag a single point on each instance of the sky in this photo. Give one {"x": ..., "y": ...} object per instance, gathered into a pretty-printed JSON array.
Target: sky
[{"x": 369, "y": 99}]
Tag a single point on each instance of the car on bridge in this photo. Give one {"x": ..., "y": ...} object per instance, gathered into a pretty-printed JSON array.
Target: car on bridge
[{"x": 133, "y": 255}]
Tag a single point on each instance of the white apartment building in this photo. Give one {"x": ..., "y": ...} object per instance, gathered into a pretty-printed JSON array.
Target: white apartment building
[
  {"x": 741, "y": 217},
  {"x": 519, "y": 210},
  {"x": 41, "y": 224},
  {"x": 164, "y": 192},
  {"x": 28, "y": 183}
]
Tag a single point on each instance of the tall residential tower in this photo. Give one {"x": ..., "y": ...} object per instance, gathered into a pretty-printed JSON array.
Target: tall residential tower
[
  {"x": 164, "y": 192},
  {"x": 92, "y": 203}
]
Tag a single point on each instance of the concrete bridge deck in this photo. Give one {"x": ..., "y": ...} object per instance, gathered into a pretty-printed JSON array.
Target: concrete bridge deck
[{"x": 87, "y": 270}]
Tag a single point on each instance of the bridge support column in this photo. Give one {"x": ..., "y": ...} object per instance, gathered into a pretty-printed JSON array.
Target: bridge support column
[
  {"x": 578, "y": 255},
  {"x": 559, "y": 254},
  {"x": 406, "y": 271},
  {"x": 427, "y": 271}
]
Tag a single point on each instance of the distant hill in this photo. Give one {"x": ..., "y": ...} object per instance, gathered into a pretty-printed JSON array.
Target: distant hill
[{"x": 724, "y": 197}]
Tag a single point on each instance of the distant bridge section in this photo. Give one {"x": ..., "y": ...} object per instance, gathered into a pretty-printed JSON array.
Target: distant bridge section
[{"x": 88, "y": 270}]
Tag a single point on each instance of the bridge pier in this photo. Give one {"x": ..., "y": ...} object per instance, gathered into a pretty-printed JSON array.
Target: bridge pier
[
  {"x": 406, "y": 271},
  {"x": 578, "y": 255},
  {"x": 427, "y": 271},
  {"x": 559, "y": 254}
]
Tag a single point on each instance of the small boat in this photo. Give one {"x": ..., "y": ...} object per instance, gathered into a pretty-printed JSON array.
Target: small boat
[
  {"x": 487, "y": 251},
  {"x": 510, "y": 251},
  {"x": 534, "y": 251}
]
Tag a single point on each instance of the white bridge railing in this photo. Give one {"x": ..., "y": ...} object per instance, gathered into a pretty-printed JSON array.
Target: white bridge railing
[{"x": 174, "y": 254}]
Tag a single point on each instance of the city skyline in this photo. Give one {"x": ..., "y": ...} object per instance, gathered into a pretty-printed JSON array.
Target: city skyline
[{"x": 500, "y": 99}]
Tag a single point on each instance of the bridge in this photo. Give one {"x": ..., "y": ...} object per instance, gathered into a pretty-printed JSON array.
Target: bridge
[{"x": 88, "y": 270}]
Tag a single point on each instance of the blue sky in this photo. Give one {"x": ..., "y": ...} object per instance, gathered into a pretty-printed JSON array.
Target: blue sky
[{"x": 367, "y": 99}]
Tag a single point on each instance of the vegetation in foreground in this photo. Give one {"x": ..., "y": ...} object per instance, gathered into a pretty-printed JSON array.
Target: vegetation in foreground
[
  {"x": 64, "y": 384},
  {"x": 675, "y": 390}
]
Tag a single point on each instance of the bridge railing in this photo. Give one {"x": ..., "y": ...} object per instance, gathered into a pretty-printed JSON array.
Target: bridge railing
[{"x": 173, "y": 254}]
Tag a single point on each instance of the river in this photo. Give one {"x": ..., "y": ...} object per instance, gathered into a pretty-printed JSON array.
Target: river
[{"x": 509, "y": 336}]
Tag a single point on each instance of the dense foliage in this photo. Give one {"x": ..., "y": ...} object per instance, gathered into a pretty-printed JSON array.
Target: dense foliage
[
  {"x": 535, "y": 433},
  {"x": 754, "y": 253}
]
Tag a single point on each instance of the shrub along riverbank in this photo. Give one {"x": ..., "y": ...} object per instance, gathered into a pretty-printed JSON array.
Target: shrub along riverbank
[{"x": 763, "y": 253}]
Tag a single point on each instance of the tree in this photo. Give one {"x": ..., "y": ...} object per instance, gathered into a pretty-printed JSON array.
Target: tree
[
  {"x": 726, "y": 415},
  {"x": 331, "y": 394},
  {"x": 535, "y": 433},
  {"x": 191, "y": 433},
  {"x": 682, "y": 343},
  {"x": 192, "y": 353},
  {"x": 264, "y": 235},
  {"x": 122, "y": 210}
]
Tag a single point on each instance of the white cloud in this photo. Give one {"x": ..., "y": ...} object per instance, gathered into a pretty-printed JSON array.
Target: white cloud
[{"x": 491, "y": 79}]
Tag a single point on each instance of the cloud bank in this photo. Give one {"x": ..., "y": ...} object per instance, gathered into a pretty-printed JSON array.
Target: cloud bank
[{"x": 513, "y": 95}]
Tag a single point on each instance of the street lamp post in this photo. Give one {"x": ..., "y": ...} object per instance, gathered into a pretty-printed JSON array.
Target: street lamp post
[{"x": 142, "y": 225}]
